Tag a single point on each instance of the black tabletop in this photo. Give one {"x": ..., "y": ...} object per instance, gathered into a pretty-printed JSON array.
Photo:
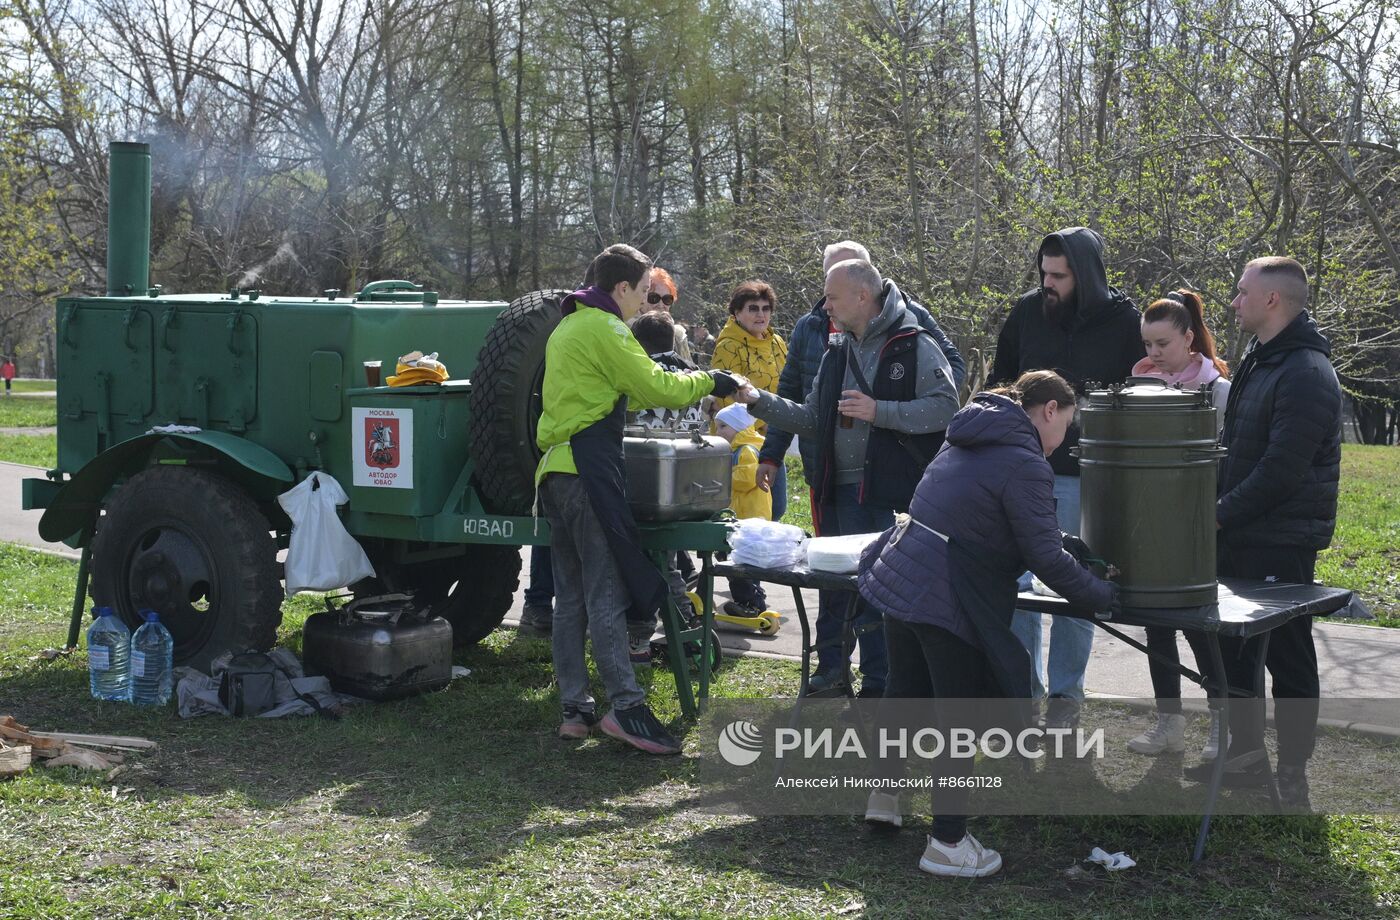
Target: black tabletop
[
  {"x": 1243, "y": 607},
  {"x": 798, "y": 576}
]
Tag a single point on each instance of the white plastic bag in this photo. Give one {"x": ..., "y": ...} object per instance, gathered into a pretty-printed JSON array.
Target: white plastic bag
[
  {"x": 765, "y": 544},
  {"x": 322, "y": 556},
  {"x": 838, "y": 554}
]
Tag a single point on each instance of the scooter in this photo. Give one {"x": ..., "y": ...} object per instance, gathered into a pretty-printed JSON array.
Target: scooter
[{"x": 766, "y": 622}]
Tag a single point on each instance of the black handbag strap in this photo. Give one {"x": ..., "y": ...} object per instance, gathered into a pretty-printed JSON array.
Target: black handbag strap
[{"x": 306, "y": 698}]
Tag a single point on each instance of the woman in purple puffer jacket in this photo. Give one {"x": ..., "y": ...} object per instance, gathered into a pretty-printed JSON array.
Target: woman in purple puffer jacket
[{"x": 945, "y": 579}]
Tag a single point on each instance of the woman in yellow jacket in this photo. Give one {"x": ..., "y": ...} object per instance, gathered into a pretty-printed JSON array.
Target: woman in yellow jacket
[{"x": 748, "y": 345}]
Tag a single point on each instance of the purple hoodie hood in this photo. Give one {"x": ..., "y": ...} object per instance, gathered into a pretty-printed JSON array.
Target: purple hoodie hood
[
  {"x": 590, "y": 297},
  {"x": 992, "y": 419}
]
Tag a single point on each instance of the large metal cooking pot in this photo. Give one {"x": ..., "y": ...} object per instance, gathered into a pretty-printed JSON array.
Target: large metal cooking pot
[
  {"x": 1148, "y": 459},
  {"x": 675, "y": 475}
]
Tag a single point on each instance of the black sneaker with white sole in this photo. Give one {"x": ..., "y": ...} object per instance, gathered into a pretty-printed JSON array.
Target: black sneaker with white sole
[{"x": 638, "y": 727}]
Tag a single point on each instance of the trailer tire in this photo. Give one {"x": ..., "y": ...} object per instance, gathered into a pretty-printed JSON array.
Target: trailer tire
[
  {"x": 506, "y": 403},
  {"x": 194, "y": 547},
  {"x": 473, "y": 592}
]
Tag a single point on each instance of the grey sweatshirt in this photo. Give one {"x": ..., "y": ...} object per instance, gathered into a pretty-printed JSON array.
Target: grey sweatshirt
[{"x": 929, "y": 411}]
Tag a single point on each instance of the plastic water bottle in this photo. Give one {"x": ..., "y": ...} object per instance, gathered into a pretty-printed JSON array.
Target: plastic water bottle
[
  {"x": 152, "y": 651},
  {"x": 109, "y": 656}
]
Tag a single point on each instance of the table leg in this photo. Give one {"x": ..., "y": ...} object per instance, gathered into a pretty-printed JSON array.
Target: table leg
[
  {"x": 681, "y": 629},
  {"x": 1258, "y": 687},
  {"x": 707, "y": 622},
  {"x": 848, "y": 641},
  {"x": 806, "y": 640},
  {"x": 680, "y": 667},
  {"x": 1222, "y": 686}
]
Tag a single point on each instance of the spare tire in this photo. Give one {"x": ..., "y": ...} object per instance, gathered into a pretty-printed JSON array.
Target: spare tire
[{"x": 506, "y": 402}]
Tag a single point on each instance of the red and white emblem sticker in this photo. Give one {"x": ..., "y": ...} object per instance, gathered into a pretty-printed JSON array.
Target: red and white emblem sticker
[{"x": 383, "y": 447}]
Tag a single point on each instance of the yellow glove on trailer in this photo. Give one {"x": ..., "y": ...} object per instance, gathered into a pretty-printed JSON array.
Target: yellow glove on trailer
[{"x": 416, "y": 369}]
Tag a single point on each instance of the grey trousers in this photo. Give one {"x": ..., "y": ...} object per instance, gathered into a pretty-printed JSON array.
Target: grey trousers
[{"x": 589, "y": 599}]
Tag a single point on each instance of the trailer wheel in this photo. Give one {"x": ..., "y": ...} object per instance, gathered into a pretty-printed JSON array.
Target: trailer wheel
[
  {"x": 506, "y": 403},
  {"x": 195, "y": 548},
  {"x": 472, "y": 592}
]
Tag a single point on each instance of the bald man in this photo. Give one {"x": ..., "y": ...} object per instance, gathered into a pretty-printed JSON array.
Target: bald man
[
  {"x": 881, "y": 399},
  {"x": 1277, "y": 506}
]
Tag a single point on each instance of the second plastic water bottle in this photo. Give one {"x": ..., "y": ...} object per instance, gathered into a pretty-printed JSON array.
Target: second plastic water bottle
[
  {"x": 109, "y": 656},
  {"x": 152, "y": 649}
]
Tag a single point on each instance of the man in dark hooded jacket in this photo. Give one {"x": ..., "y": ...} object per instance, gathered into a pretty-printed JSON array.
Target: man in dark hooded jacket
[
  {"x": 1277, "y": 507},
  {"x": 1078, "y": 326}
]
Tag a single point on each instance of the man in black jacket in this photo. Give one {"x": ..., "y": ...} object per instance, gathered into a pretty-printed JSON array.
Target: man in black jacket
[
  {"x": 1084, "y": 330},
  {"x": 1277, "y": 505}
]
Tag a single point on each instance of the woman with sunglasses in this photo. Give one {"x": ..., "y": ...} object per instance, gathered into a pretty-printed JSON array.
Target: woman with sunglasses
[
  {"x": 748, "y": 345},
  {"x": 661, "y": 294}
]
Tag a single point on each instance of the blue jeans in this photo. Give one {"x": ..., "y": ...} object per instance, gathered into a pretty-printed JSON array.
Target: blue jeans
[
  {"x": 779, "y": 493},
  {"x": 540, "y": 591},
  {"x": 1070, "y": 639},
  {"x": 845, "y": 514}
]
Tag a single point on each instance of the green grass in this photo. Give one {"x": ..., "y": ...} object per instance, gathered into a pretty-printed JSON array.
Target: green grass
[
  {"x": 799, "y": 506},
  {"x": 1365, "y": 552},
  {"x": 461, "y": 803},
  {"x": 28, "y": 412},
  {"x": 33, "y": 385},
  {"x": 33, "y": 449}
]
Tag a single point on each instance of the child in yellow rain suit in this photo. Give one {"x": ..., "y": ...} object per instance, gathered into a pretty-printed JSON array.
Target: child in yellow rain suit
[{"x": 736, "y": 425}]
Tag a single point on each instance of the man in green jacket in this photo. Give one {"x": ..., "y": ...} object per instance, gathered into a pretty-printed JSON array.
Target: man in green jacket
[{"x": 602, "y": 578}]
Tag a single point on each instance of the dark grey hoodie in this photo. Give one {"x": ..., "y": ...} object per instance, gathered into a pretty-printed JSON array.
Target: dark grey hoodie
[
  {"x": 930, "y": 411},
  {"x": 1100, "y": 340}
]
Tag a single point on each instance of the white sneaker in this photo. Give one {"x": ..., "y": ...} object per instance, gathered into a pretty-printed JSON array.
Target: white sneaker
[
  {"x": 882, "y": 811},
  {"x": 965, "y": 859},
  {"x": 1169, "y": 734},
  {"x": 1212, "y": 747}
]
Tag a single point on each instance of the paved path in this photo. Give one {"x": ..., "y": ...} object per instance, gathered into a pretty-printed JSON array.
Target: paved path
[
  {"x": 1354, "y": 661},
  {"x": 51, "y": 432},
  {"x": 18, "y": 526}
]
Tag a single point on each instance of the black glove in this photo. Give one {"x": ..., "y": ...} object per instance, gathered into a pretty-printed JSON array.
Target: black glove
[
  {"x": 726, "y": 384},
  {"x": 1076, "y": 548}
]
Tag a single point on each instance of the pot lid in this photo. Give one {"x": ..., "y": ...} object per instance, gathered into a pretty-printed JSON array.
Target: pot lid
[{"x": 1147, "y": 393}]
